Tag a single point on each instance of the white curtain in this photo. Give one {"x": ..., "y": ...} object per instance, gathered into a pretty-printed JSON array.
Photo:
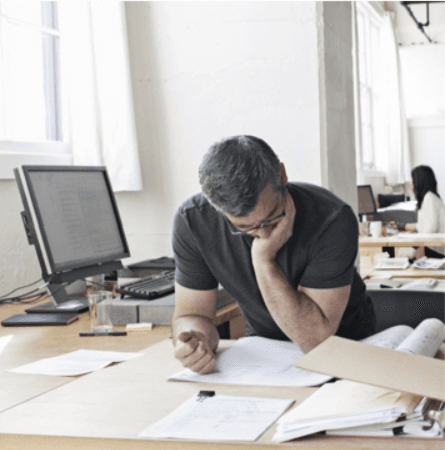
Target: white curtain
[
  {"x": 96, "y": 80},
  {"x": 392, "y": 150}
]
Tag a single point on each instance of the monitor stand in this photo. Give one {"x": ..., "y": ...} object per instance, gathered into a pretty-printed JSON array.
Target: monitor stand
[{"x": 60, "y": 301}]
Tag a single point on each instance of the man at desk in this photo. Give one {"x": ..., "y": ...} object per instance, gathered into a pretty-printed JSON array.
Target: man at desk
[{"x": 284, "y": 251}]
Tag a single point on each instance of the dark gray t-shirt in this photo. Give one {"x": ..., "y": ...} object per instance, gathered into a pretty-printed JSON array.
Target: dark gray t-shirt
[{"x": 320, "y": 254}]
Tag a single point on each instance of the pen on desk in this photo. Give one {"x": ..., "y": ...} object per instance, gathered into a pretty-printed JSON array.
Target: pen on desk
[{"x": 110, "y": 333}]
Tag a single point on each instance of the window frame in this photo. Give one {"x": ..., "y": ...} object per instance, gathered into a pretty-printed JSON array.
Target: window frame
[
  {"x": 14, "y": 153},
  {"x": 372, "y": 15}
]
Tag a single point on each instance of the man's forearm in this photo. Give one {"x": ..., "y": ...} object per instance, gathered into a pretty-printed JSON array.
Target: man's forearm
[
  {"x": 196, "y": 323},
  {"x": 300, "y": 318}
]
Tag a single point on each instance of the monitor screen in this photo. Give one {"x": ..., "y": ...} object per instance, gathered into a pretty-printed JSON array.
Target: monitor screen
[
  {"x": 366, "y": 202},
  {"x": 76, "y": 214}
]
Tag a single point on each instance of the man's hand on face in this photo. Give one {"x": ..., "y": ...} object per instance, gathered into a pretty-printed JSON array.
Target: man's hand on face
[
  {"x": 269, "y": 240},
  {"x": 194, "y": 352}
]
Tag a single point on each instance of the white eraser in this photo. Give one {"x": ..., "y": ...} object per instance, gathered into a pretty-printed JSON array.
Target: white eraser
[{"x": 143, "y": 326}]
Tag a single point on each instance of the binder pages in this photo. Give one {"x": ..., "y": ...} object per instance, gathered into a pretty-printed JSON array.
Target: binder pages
[
  {"x": 343, "y": 404},
  {"x": 367, "y": 408}
]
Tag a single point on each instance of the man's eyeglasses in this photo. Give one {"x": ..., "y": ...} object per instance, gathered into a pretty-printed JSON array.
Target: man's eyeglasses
[{"x": 267, "y": 223}]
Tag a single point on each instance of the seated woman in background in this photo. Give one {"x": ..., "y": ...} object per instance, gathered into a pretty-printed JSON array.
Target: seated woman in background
[{"x": 430, "y": 207}]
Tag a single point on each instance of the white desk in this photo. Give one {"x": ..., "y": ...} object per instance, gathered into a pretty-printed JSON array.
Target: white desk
[
  {"x": 109, "y": 408},
  {"x": 369, "y": 246}
]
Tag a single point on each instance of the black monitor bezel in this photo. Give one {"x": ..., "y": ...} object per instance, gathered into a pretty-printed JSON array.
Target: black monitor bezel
[
  {"x": 27, "y": 169},
  {"x": 373, "y": 200}
]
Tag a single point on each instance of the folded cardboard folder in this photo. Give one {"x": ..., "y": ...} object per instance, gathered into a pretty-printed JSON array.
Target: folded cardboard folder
[{"x": 378, "y": 366}]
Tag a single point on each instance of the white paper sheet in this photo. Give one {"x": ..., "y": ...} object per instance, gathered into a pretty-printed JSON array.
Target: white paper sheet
[
  {"x": 258, "y": 361},
  {"x": 75, "y": 363},
  {"x": 389, "y": 338},
  {"x": 219, "y": 418},
  {"x": 4, "y": 341}
]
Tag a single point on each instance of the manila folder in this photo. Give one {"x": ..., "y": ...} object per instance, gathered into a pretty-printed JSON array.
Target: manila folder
[{"x": 378, "y": 366}]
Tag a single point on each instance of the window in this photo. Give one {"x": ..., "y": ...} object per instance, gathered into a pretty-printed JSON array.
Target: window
[
  {"x": 31, "y": 126},
  {"x": 368, "y": 51}
]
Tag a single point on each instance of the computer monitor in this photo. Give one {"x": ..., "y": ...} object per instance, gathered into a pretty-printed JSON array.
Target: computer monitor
[
  {"x": 366, "y": 201},
  {"x": 71, "y": 217}
]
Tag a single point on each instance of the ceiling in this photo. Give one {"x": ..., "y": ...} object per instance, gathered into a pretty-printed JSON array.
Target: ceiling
[{"x": 406, "y": 28}]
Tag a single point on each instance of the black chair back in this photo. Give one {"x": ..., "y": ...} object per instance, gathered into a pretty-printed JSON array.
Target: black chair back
[{"x": 402, "y": 307}]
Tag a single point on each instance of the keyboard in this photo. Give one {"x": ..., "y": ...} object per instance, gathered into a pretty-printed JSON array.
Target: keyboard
[{"x": 149, "y": 288}]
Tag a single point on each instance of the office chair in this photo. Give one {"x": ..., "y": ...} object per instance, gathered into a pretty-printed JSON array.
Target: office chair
[{"x": 403, "y": 307}]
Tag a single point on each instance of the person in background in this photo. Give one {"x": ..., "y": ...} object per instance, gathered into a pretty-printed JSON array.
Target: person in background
[
  {"x": 430, "y": 207},
  {"x": 285, "y": 251}
]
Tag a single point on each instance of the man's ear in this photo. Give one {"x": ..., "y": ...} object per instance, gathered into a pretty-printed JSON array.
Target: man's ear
[{"x": 283, "y": 177}]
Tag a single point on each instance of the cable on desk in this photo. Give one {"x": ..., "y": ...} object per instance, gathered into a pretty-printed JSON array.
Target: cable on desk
[
  {"x": 32, "y": 298},
  {"x": 98, "y": 284},
  {"x": 26, "y": 296},
  {"x": 21, "y": 287},
  {"x": 22, "y": 299}
]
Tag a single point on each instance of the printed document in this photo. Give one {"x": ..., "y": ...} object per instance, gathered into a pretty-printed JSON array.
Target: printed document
[
  {"x": 75, "y": 363},
  {"x": 219, "y": 418},
  {"x": 258, "y": 361}
]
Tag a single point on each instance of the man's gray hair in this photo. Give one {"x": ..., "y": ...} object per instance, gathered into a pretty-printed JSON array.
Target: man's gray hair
[{"x": 234, "y": 172}]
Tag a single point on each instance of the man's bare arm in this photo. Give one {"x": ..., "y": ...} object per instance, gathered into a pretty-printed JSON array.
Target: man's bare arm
[
  {"x": 194, "y": 334},
  {"x": 306, "y": 316}
]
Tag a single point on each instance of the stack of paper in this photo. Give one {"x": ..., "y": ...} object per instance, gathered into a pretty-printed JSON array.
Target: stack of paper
[
  {"x": 429, "y": 263},
  {"x": 423, "y": 284},
  {"x": 382, "y": 282},
  {"x": 348, "y": 404},
  {"x": 392, "y": 263},
  {"x": 411, "y": 425},
  {"x": 344, "y": 404}
]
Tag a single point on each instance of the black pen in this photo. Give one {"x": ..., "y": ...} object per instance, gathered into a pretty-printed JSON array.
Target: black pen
[{"x": 110, "y": 333}]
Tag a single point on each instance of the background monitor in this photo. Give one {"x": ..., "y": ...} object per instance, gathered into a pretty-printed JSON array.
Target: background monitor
[
  {"x": 366, "y": 201},
  {"x": 71, "y": 218}
]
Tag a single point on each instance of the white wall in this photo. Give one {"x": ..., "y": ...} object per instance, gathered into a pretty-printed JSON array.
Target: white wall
[
  {"x": 202, "y": 71},
  {"x": 423, "y": 69},
  {"x": 427, "y": 142},
  {"x": 205, "y": 70},
  {"x": 423, "y": 65},
  {"x": 18, "y": 261}
]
